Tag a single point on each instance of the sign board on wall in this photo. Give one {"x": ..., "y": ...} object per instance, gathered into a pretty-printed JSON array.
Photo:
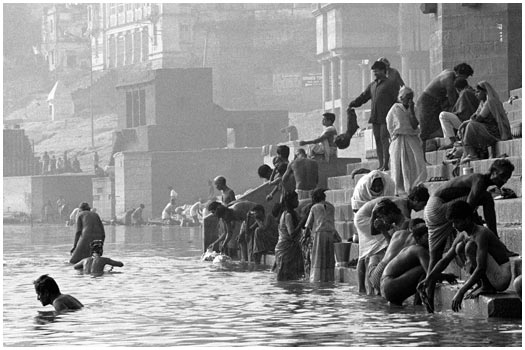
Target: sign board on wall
[{"x": 312, "y": 79}]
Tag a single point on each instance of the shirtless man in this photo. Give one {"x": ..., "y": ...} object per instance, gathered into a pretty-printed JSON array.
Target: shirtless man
[
  {"x": 48, "y": 293},
  {"x": 485, "y": 257},
  {"x": 400, "y": 239},
  {"x": 305, "y": 172},
  {"x": 227, "y": 194},
  {"x": 439, "y": 95},
  {"x": 238, "y": 212},
  {"x": 95, "y": 264},
  {"x": 473, "y": 189},
  {"x": 407, "y": 268},
  {"x": 324, "y": 145}
]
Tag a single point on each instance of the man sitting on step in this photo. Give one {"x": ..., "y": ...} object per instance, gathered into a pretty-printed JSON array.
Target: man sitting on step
[{"x": 484, "y": 255}]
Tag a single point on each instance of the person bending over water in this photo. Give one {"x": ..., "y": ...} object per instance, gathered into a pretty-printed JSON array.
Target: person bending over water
[
  {"x": 473, "y": 189},
  {"x": 400, "y": 239},
  {"x": 48, "y": 293},
  {"x": 407, "y": 269},
  {"x": 484, "y": 255},
  {"x": 95, "y": 264}
]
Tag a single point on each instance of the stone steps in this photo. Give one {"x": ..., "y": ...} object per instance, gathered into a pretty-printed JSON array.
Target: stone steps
[{"x": 506, "y": 304}]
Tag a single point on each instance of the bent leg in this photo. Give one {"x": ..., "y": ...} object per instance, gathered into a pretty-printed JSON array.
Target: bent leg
[{"x": 449, "y": 122}]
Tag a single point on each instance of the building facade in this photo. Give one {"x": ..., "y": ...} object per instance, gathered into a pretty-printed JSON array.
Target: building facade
[
  {"x": 347, "y": 43},
  {"x": 261, "y": 54},
  {"x": 65, "y": 45}
]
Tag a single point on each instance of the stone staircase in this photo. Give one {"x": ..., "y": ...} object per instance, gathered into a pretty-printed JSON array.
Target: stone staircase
[{"x": 508, "y": 211}]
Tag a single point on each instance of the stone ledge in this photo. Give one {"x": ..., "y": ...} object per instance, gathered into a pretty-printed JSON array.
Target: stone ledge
[{"x": 506, "y": 304}]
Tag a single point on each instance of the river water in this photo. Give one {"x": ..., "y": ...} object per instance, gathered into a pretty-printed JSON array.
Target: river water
[{"x": 165, "y": 296}]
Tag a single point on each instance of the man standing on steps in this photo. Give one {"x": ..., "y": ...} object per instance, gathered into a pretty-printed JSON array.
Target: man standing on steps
[
  {"x": 383, "y": 93},
  {"x": 306, "y": 174},
  {"x": 471, "y": 188},
  {"x": 439, "y": 95}
]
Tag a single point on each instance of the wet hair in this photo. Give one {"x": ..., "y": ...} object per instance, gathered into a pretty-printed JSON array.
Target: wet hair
[
  {"x": 213, "y": 206},
  {"x": 301, "y": 151},
  {"x": 419, "y": 194},
  {"x": 459, "y": 210},
  {"x": 289, "y": 204},
  {"x": 379, "y": 65},
  {"x": 45, "y": 283},
  {"x": 259, "y": 208},
  {"x": 502, "y": 164},
  {"x": 385, "y": 207},
  {"x": 329, "y": 116},
  {"x": 283, "y": 151},
  {"x": 264, "y": 171},
  {"x": 419, "y": 231},
  {"x": 318, "y": 195},
  {"x": 96, "y": 246},
  {"x": 221, "y": 179},
  {"x": 464, "y": 69},
  {"x": 414, "y": 222},
  {"x": 84, "y": 206},
  {"x": 460, "y": 83}
]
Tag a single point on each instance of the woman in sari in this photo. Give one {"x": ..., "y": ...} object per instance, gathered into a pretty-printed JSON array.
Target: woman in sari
[
  {"x": 321, "y": 221},
  {"x": 487, "y": 126},
  {"x": 406, "y": 153},
  {"x": 288, "y": 253}
]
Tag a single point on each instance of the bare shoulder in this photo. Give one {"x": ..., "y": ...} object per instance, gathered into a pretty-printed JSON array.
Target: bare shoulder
[{"x": 67, "y": 302}]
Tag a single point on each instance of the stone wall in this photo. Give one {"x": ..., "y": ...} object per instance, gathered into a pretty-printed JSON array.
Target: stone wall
[
  {"x": 487, "y": 36},
  {"x": 142, "y": 177},
  {"x": 29, "y": 193}
]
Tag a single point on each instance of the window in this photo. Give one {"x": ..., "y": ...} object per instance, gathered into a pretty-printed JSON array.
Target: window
[
  {"x": 129, "y": 109},
  {"x": 136, "y": 47},
  {"x": 129, "y": 48},
  {"x": 145, "y": 44},
  {"x": 185, "y": 32},
  {"x": 121, "y": 47},
  {"x": 135, "y": 108},
  {"x": 99, "y": 189},
  {"x": 142, "y": 107}
]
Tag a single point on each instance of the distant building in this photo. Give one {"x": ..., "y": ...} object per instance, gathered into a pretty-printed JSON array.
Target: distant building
[
  {"x": 350, "y": 37},
  {"x": 65, "y": 45},
  {"x": 171, "y": 132},
  {"x": 261, "y": 54},
  {"x": 18, "y": 153}
]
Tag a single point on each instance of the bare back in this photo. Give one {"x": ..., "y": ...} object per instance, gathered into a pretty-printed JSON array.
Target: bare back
[
  {"x": 65, "y": 302},
  {"x": 442, "y": 85},
  {"x": 410, "y": 257},
  {"x": 400, "y": 239},
  {"x": 471, "y": 185},
  {"x": 496, "y": 248},
  {"x": 305, "y": 172}
]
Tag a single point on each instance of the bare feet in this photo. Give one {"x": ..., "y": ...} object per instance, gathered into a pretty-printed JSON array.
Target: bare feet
[{"x": 425, "y": 300}]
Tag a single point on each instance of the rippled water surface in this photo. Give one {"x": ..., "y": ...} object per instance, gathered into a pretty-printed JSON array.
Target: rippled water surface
[{"x": 165, "y": 296}]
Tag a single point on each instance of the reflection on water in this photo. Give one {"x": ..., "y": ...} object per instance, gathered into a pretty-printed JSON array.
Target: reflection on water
[{"x": 165, "y": 296}]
